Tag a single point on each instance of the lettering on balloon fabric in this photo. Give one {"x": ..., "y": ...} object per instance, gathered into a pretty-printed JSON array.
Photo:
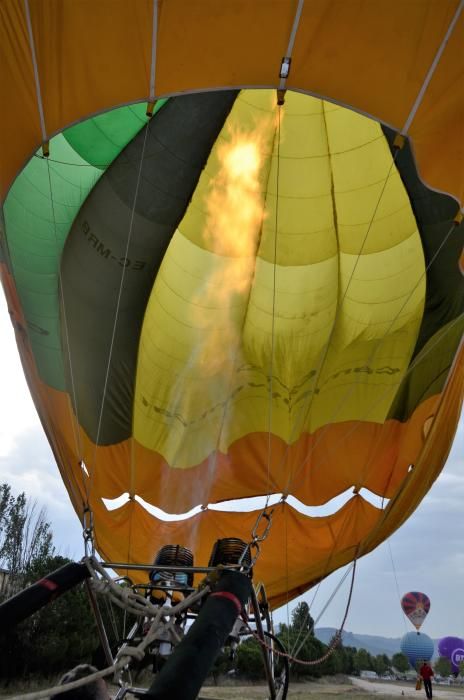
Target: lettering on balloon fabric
[{"x": 105, "y": 252}]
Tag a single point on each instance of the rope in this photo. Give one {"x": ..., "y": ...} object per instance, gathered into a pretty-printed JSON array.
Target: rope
[
  {"x": 274, "y": 279},
  {"x": 306, "y": 406},
  {"x": 115, "y": 323},
  {"x": 36, "y": 72},
  {"x": 334, "y": 643},
  {"x": 254, "y": 543},
  {"x": 50, "y": 692},
  {"x": 300, "y": 631},
  {"x": 70, "y": 481},
  {"x": 112, "y": 618},
  {"x": 291, "y": 42},
  {"x": 74, "y": 419},
  {"x": 133, "y": 602},
  {"x": 124, "y": 597},
  {"x": 324, "y": 574},
  {"x": 121, "y": 285},
  {"x": 396, "y": 582},
  {"x": 154, "y": 38},
  {"x": 351, "y": 568},
  {"x": 136, "y": 604},
  {"x": 432, "y": 69},
  {"x": 287, "y": 601}
]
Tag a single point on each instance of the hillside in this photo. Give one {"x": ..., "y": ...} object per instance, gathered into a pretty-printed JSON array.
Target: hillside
[{"x": 373, "y": 644}]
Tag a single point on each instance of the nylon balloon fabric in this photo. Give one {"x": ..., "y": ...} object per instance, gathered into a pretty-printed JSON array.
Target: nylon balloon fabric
[
  {"x": 417, "y": 647},
  {"x": 416, "y": 607},
  {"x": 232, "y": 299}
]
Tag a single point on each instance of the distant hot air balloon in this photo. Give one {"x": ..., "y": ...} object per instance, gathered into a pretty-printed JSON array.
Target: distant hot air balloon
[
  {"x": 417, "y": 647},
  {"x": 452, "y": 648},
  {"x": 416, "y": 606}
]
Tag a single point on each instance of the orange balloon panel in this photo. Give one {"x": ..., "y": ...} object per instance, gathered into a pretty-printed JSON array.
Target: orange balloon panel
[
  {"x": 230, "y": 298},
  {"x": 375, "y": 60},
  {"x": 298, "y": 549}
]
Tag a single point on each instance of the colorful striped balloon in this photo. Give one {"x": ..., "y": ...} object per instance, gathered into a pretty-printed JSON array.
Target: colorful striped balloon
[{"x": 415, "y": 606}]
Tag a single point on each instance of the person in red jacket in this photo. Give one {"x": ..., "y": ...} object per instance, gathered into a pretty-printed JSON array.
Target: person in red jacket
[{"x": 426, "y": 674}]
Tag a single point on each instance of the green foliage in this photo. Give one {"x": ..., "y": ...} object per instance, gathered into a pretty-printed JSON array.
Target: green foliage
[
  {"x": 400, "y": 662},
  {"x": 300, "y": 641},
  {"x": 363, "y": 661},
  {"x": 25, "y": 536},
  {"x": 60, "y": 635},
  {"x": 442, "y": 666},
  {"x": 302, "y": 622},
  {"x": 382, "y": 664},
  {"x": 56, "y": 638},
  {"x": 250, "y": 659},
  {"x": 63, "y": 633}
]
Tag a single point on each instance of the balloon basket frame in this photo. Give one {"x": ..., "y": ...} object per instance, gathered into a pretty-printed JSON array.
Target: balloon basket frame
[{"x": 165, "y": 612}]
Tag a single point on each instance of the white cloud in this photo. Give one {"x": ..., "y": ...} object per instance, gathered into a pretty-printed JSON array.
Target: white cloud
[
  {"x": 26, "y": 461},
  {"x": 17, "y": 411},
  {"x": 30, "y": 467}
]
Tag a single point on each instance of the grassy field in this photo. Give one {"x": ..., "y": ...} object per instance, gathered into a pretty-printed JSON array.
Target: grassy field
[
  {"x": 324, "y": 689},
  {"x": 297, "y": 691},
  {"x": 329, "y": 688}
]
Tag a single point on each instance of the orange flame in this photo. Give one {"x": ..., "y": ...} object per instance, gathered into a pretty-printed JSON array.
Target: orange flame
[{"x": 235, "y": 212}]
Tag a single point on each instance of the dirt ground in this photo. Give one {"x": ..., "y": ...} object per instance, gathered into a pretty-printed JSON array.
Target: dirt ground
[
  {"x": 297, "y": 691},
  {"x": 325, "y": 689},
  {"x": 354, "y": 689},
  {"x": 407, "y": 690}
]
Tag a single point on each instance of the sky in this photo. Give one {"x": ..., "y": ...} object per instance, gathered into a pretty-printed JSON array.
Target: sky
[{"x": 426, "y": 554}]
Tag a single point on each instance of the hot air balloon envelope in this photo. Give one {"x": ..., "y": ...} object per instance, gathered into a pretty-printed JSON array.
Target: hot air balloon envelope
[
  {"x": 229, "y": 300},
  {"x": 417, "y": 647},
  {"x": 452, "y": 648},
  {"x": 416, "y": 607}
]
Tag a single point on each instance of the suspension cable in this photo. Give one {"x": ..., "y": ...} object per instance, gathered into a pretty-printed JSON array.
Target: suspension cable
[
  {"x": 379, "y": 399},
  {"x": 73, "y": 416},
  {"x": 69, "y": 479},
  {"x": 120, "y": 289},
  {"x": 349, "y": 392},
  {"x": 396, "y": 583},
  {"x": 274, "y": 281},
  {"x": 336, "y": 639},
  {"x": 116, "y": 315},
  {"x": 76, "y": 497},
  {"x": 324, "y": 574},
  {"x": 256, "y": 539},
  {"x": 307, "y": 404},
  {"x": 323, "y": 356}
]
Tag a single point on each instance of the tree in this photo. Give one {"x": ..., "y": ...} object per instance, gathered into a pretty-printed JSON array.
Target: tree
[
  {"x": 25, "y": 536},
  {"x": 400, "y": 662},
  {"x": 442, "y": 666},
  {"x": 302, "y": 622},
  {"x": 363, "y": 661},
  {"x": 348, "y": 654},
  {"x": 57, "y": 637},
  {"x": 60, "y": 635},
  {"x": 335, "y": 663},
  {"x": 381, "y": 664}
]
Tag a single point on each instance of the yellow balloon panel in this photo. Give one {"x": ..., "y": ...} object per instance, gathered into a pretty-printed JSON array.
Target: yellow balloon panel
[{"x": 328, "y": 329}]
